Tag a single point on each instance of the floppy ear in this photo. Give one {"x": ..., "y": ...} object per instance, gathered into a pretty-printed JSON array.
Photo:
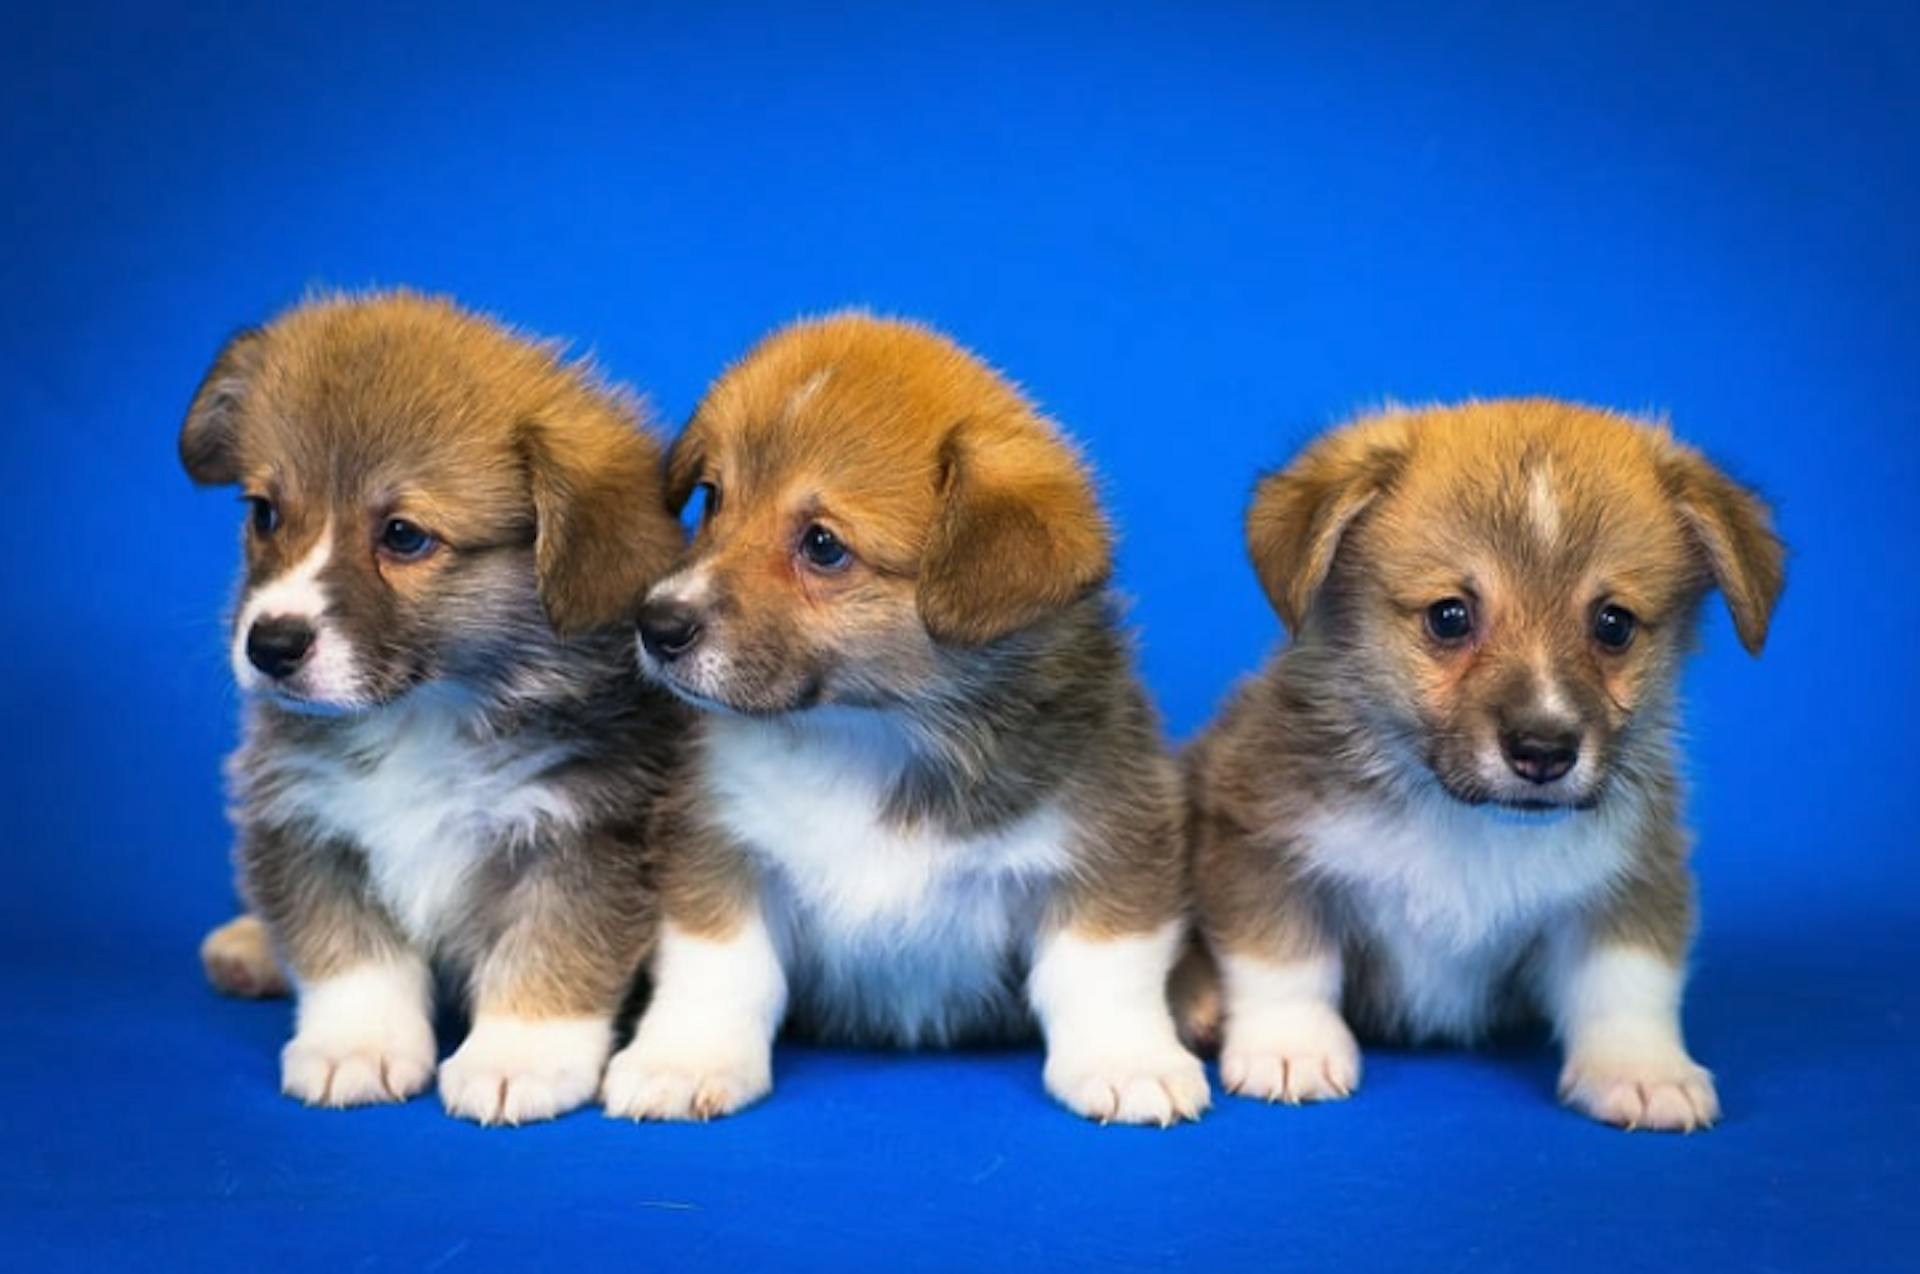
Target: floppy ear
[
  {"x": 684, "y": 460},
  {"x": 1298, "y": 515},
  {"x": 209, "y": 438},
  {"x": 1735, "y": 532},
  {"x": 602, "y": 532},
  {"x": 1018, "y": 534}
]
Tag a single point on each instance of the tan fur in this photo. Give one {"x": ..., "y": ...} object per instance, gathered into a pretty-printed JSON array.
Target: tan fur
[
  {"x": 456, "y": 435},
  {"x": 970, "y": 516},
  {"x": 962, "y": 668},
  {"x": 476, "y": 417},
  {"x": 553, "y": 956},
  {"x": 239, "y": 959},
  {"x": 1539, "y": 512},
  {"x": 1193, "y": 993},
  {"x": 498, "y": 647},
  {"x": 707, "y": 885},
  {"x": 953, "y": 480}
]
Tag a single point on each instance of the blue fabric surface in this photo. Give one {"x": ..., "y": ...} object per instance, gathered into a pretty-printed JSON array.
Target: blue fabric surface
[
  {"x": 145, "y": 1127},
  {"x": 1197, "y": 234}
]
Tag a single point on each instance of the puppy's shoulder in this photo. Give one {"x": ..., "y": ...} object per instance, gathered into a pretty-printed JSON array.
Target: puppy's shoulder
[{"x": 1248, "y": 749}]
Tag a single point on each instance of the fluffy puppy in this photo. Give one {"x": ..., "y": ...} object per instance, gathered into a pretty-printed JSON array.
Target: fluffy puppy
[
  {"x": 1452, "y": 799},
  {"x": 447, "y": 755},
  {"x": 926, "y": 801}
]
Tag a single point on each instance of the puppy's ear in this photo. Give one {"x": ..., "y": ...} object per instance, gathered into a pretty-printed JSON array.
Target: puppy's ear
[
  {"x": 684, "y": 461},
  {"x": 1298, "y": 515},
  {"x": 209, "y": 439},
  {"x": 1018, "y": 534},
  {"x": 602, "y": 533},
  {"x": 1735, "y": 532}
]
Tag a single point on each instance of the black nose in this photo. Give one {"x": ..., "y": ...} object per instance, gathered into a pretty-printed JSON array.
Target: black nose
[
  {"x": 1540, "y": 756},
  {"x": 669, "y": 629},
  {"x": 276, "y": 646}
]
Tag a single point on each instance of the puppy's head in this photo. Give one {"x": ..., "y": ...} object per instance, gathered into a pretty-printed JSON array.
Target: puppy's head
[
  {"x": 874, "y": 499},
  {"x": 1510, "y": 585},
  {"x": 425, "y": 492}
]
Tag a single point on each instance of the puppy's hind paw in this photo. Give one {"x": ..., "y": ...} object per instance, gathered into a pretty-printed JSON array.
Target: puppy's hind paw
[{"x": 239, "y": 960}]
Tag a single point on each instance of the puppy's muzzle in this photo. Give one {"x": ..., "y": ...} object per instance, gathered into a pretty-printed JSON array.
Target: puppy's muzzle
[
  {"x": 669, "y": 629},
  {"x": 1540, "y": 751},
  {"x": 277, "y": 646}
]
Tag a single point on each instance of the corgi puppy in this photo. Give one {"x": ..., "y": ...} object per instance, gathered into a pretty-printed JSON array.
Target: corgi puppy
[
  {"x": 448, "y": 755},
  {"x": 925, "y": 800},
  {"x": 1452, "y": 799}
]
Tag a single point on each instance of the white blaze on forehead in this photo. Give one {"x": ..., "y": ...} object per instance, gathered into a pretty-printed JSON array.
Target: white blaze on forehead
[
  {"x": 1543, "y": 506},
  {"x": 298, "y": 593},
  {"x": 808, "y": 388}
]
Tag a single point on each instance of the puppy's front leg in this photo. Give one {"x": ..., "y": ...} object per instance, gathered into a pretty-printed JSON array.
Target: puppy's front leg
[
  {"x": 704, "y": 1046},
  {"x": 1617, "y": 1006},
  {"x": 1281, "y": 973},
  {"x": 1613, "y": 988},
  {"x": 1285, "y": 1040},
  {"x": 1112, "y": 1051},
  {"x": 364, "y": 1022},
  {"x": 547, "y": 988}
]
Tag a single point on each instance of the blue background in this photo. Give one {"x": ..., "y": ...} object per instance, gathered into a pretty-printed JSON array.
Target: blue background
[{"x": 1197, "y": 234}]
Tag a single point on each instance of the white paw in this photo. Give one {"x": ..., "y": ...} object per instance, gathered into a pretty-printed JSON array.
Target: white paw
[
  {"x": 1658, "y": 1089},
  {"x": 1159, "y": 1085},
  {"x": 1293, "y": 1054},
  {"x": 648, "y": 1081},
  {"x": 358, "y": 1073},
  {"x": 520, "y": 1070},
  {"x": 363, "y": 1038}
]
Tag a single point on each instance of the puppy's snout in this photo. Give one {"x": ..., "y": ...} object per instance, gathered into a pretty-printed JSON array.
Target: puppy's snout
[
  {"x": 1540, "y": 751},
  {"x": 278, "y": 645},
  {"x": 669, "y": 629}
]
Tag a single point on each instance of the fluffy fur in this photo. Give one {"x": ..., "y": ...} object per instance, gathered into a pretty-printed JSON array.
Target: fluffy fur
[
  {"x": 1426, "y": 833},
  {"x": 926, "y": 801},
  {"x": 449, "y": 768}
]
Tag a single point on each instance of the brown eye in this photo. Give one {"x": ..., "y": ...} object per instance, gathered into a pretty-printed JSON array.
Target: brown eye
[
  {"x": 823, "y": 549},
  {"x": 1614, "y": 626},
  {"x": 401, "y": 539},
  {"x": 262, "y": 515},
  {"x": 1450, "y": 621}
]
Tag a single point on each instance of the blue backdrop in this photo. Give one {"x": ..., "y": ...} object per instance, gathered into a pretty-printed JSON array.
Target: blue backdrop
[{"x": 1197, "y": 234}]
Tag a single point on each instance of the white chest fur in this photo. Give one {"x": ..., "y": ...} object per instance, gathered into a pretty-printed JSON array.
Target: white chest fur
[
  {"x": 890, "y": 933},
  {"x": 427, "y": 800},
  {"x": 1451, "y": 897}
]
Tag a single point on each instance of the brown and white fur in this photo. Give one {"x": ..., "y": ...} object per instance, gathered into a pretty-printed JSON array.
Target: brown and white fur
[
  {"x": 448, "y": 757},
  {"x": 1424, "y": 833},
  {"x": 927, "y": 801}
]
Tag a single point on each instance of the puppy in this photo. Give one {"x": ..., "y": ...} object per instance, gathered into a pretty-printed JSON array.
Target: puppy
[
  {"x": 1452, "y": 800},
  {"x": 448, "y": 755},
  {"x": 926, "y": 801}
]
